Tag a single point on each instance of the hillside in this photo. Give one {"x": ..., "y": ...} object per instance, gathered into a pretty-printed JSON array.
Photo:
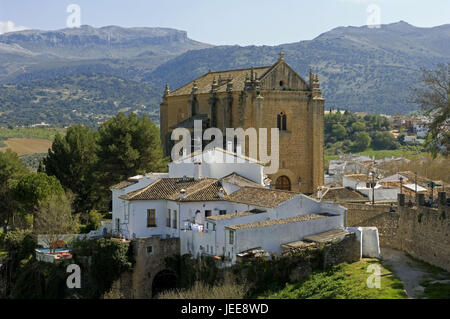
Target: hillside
[
  {"x": 361, "y": 69},
  {"x": 86, "y": 98},
  {"x": 36, "y": 54}
]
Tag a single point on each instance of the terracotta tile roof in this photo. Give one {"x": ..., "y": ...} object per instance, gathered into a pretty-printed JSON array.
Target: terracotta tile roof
[
  {"x": 358, "y": 177},
  {"x": 206, "y": 189},
  {"x": 204, "y": 82},
  {"x": 123, "y": 184},
  {"x": 230, "y": 216},
  {"x": 240, "y": 180},
  {"x": 342, "y": 193},
  {"x": 271, "y": 222},
  {"x": 260, "y": 196}
]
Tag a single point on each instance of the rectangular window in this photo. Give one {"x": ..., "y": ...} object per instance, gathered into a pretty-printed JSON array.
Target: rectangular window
[
  {"x": 149, "y": 250},
  {"x": 223, "y": 212},
  {"x": 175, "y": 219},
  {"x": 168, "y": 218},
  {"x": 231, "y": 237},
  {"x": 151, "y": 218},
  {"x": 208, "y": 213}
]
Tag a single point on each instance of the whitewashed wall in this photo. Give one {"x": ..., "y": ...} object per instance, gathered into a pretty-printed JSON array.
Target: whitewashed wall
[{"x": 271, "y": 238}]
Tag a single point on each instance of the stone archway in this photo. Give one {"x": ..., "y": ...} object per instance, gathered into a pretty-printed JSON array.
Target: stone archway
[{"x": 164, "y": 280}]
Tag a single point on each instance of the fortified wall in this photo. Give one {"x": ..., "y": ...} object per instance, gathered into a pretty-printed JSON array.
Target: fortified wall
[{"x": 423, "y": 232}]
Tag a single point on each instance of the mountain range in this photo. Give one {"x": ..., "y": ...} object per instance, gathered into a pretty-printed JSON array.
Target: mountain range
[{"x": 360, "y": 68}]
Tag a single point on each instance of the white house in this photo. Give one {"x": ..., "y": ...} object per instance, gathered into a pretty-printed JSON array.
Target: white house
[
  {"x": 363, "y": 184},
  {"x": 207, "y": 197}
]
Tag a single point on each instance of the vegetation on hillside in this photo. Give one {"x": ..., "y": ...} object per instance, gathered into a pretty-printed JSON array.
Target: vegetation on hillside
[
  {"x": 343, "y": 281},
  {"x": 84, "y": 98},
  {"x": 349, "y": 132}
]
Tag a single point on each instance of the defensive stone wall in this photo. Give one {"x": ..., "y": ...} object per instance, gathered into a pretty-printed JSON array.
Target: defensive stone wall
[{"x": 421, "y": 231}]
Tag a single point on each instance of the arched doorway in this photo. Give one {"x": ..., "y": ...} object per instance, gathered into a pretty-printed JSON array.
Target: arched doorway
[
  {"x": 283, "y": 183},
  {"x": 163, "y": 281}
]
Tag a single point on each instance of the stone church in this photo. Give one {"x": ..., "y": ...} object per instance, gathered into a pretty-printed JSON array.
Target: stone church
[{"x": 260, "y": 97}]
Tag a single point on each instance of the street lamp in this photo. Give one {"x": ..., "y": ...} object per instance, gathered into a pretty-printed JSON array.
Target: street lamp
[{"x": 373, "y": 187}]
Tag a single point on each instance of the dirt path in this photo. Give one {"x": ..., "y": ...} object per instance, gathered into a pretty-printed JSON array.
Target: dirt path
[{"x": 405, "y": 268}]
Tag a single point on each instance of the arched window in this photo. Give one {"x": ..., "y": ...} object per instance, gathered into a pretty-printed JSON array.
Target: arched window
[
  {"x": 282, "y": 122},
  {"x": 283, "y": 183}
]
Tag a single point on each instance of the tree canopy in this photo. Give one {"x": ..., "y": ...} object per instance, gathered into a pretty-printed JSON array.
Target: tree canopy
[
  {"x": 129, "y": 145},
  {"x": 72, "y": 159},
  {"x": 432, "y": 96}
]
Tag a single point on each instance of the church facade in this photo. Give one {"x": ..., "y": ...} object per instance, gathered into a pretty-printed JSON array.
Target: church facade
[{"x": 259, "y": 97}]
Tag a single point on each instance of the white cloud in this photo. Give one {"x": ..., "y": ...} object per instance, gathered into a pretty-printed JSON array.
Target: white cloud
[{"x": 9, "y": 26}]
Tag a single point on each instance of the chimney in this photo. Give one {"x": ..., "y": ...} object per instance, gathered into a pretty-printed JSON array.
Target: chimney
[
  {"x": 182, "y": 194},
  {"x": 319, "y": 193},
  {"x": 197, "y": 170}
]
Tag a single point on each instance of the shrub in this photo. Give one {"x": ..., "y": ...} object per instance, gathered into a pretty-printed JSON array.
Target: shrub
[
  {"x": 20, "y": 244},
  {"x": 200, "y": 290},
  {"x": 94, "y": 221},
  {"x": 109, "y": 259}
]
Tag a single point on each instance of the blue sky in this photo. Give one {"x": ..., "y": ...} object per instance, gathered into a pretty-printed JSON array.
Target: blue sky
[{"x": 244, "y": 22}]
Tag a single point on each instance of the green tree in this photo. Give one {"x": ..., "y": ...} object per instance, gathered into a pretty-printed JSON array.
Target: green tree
[
  {"x": 358, "y": 126},
  {"x": 432, "y": 97},
  {"x": 361, "y": 142},
  {"x": 339, "y": 131},
  {"x": 129, "y": 145},
  {"x": 384, "y": 141},
  {"x": 72, "y": 159},
  {"x": 54, "y": 218},
  {"x": 33, "y": 188},
  {"x": 11, "y": 169}
]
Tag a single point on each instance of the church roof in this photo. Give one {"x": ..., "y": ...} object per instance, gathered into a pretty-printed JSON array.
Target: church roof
[{"x": 238, "y": 77}]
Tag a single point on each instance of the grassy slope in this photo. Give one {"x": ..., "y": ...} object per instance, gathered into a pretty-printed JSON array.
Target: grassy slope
[{"x": 344, "y": 281}]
